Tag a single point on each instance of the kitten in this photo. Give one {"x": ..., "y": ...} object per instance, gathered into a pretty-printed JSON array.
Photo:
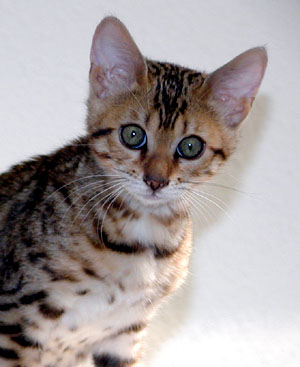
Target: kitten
[{"x": 95, "y": 235}]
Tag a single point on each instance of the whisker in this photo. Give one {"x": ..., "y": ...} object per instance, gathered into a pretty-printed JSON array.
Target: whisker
[
  {"x": 123, "y": 200},
  {"x": 92, "y": 189},
  {"x": 250, "y": 194},
  {"x": 191, "y": 205},
  {"x": 108, "y": 197},
  {"x": 79, "y": 179},
  {"x": 98, "y": 185},
  {"x": 107, "y": 209},
  {"x": 135, "y": 97},
  {"x": 222, "y": 186},
  {"x": 93, "y": 198},
  {"x": 211, "y": 195},
  {"x": 184, "y": 206},
  {"x": 215, "y": 204},
  {"x": 199, "y": 206}
]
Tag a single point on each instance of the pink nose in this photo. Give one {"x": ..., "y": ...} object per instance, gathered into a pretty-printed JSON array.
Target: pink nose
[{"x": 155, "y": 182}]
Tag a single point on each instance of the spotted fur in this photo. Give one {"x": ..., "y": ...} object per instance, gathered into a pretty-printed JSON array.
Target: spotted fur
[{"x": 95, "y": 235}]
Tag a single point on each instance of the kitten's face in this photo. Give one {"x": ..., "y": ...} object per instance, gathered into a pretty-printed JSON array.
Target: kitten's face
[
  {"x": 161, "y": 140},
  {"x": 157, "y": 129}
]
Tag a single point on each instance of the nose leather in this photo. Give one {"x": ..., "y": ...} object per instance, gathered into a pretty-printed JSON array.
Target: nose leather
[{"x": 155, "y": 182}]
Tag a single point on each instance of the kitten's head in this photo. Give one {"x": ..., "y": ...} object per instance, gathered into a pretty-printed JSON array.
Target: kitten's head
[{"x": 159, "y": 127}]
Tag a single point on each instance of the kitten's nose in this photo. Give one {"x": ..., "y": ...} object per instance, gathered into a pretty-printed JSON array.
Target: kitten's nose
[{"x": 155, "y": 182}]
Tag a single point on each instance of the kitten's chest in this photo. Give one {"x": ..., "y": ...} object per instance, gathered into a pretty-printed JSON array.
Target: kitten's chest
[
  {"x": 121, "y": 294},
  {"x": 99, "y": 307},
  {"x": 123, "y": 283},
  {"x": 115, "y": 291}
]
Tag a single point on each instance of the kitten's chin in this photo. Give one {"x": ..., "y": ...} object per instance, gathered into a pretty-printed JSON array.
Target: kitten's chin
[{"x": 152, "y": 200}]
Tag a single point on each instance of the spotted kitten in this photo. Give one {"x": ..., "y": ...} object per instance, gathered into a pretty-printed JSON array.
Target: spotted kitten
[{"x": 95, "y": 235}]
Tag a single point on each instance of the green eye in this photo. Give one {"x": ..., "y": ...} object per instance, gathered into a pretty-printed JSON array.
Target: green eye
[
  {"x": 133, "y": 136},
  {"x": 190, "y": 147}
]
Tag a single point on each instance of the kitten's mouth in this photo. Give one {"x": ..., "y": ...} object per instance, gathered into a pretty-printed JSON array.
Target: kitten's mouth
[{"x": 151, "y": 196}]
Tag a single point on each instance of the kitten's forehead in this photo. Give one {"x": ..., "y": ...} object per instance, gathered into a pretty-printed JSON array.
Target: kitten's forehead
[{"x": 172, "y": 90}]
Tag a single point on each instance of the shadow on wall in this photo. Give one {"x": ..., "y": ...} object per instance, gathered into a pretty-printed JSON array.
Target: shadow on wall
[{"x": 174, "y": 313}]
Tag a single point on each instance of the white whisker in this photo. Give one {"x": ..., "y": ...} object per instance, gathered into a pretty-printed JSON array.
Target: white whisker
[
  {"x": 214, "y": 203},
  {"x": 198, "y": 206},
  {"x": 210, "y": 195},
  {"x": 93, "y": 198},
  {"x": 79, "y": 179},
  {"x": 98, "y": 185},
  {"x": 107, "y": 209}
]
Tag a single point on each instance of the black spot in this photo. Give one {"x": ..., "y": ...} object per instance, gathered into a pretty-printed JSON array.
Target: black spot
[
  {"x": 102, "y": 132},
  {"x": 8, "y": 353},
  {"x": 107, "y": 360},
  {"x": 134, "y": 328},
  {"x": 91, "y": 273},
  {"x": 10, "y": 261},
  {"x": 121, "y": 286},
  {"x": 34, "y": 257},
  {"x": 123, "y": 248},
  {"x": 61, "y": 189},
  {"x": 25, "y": 341},
  {"x": 10, "y": 329},
  {"x": 147, "y": 118},
  {"x": 104, "y": 155},
  {"x": 58, "y": 276},
  {"x": 50, "y": 312},
  {"x": 46, "y": 214},
  {"x": 183, "y": 106},
  {"x": 33, "y": 297},
  {"x": 82, "y": 292},
  {"x": 14, "y": 290},
  {"x": 160, "y": 253},
  {"x": 220, "y": 152},
  {"x": 8, "y": 306},
  {"x": 111, "y": 299},
  {"x": 191, "y": 77}
]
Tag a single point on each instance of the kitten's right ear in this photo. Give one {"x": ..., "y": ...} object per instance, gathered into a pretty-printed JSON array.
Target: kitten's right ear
[{"x": 116, "y": 62}]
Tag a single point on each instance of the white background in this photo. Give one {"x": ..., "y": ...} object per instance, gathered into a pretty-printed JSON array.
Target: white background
[{"x": 240, "y": 306}]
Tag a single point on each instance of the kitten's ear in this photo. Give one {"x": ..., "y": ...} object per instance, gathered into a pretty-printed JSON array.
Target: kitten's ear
[
  {"x": 232, "y": 88},
  {"x": 116, "y": 63}
]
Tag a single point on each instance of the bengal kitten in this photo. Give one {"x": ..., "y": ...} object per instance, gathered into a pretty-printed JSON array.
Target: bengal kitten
[{"x": 95, "y": 235}]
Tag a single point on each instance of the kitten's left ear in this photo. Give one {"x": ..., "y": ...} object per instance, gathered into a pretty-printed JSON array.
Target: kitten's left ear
[
  {"x": 232, "y": 88},
  {"x": 116, "y": 62}
]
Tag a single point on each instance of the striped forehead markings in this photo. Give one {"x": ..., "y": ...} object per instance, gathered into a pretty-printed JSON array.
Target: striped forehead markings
[{"x": 172, "y": 83}]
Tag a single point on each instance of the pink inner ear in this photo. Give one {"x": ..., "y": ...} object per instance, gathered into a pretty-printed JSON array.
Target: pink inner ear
[
  {"x": 116, "y": 57},
  {"x": 234, "y": 86}
]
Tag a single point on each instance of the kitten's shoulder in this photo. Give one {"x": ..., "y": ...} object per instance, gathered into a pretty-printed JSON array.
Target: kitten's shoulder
[{"x": 60, "y": 161}]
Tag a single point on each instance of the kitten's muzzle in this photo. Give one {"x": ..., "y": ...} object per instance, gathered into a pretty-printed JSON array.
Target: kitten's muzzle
[{"x": 155, "y": 182}]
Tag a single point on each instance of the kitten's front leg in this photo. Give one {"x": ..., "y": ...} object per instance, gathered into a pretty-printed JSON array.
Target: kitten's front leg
[{"x": 121, "y": 350}]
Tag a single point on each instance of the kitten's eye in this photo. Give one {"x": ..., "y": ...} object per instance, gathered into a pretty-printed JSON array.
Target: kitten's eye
[
  {"x": 191, "y": 147},
  {"x": 133, "y": 136}
]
